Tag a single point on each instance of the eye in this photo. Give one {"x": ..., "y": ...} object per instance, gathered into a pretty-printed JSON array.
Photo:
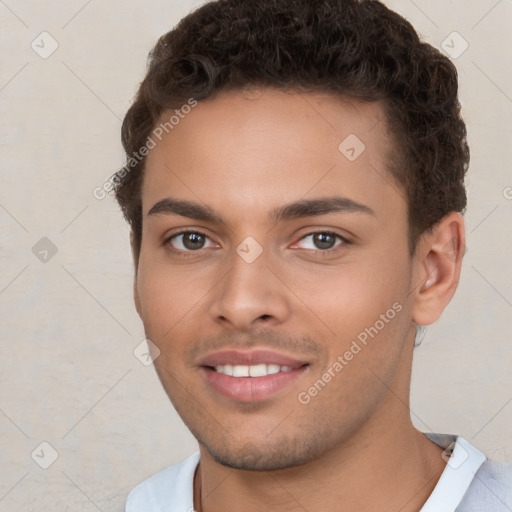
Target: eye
[
  {"x": 189, "y": 241},
  {"x": 321, "y": 240}
]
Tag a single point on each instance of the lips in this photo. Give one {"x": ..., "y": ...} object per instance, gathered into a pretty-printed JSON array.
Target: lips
[
  {"x": 250, "y": 376},
  {"x": 249, "y": 358}
]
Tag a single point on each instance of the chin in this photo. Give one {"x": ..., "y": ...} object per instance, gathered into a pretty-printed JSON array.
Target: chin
[{"x": 266, "y": 457}]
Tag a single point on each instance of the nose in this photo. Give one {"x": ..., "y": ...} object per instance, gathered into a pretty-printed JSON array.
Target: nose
[{"x": 250, "y": 294}]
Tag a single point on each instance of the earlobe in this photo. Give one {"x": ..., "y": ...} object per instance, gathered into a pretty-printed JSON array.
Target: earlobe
[{"x": 437, "y": 268}]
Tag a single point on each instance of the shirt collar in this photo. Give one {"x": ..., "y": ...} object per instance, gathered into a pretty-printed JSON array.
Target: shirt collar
[{"x": 462, "y": 462}]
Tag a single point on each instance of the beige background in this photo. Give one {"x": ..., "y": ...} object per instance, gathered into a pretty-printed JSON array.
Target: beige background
[{"x": 68, "y": 373}]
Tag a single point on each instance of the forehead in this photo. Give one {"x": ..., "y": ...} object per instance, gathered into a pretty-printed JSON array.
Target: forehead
[{"x": 247, "y": 149}]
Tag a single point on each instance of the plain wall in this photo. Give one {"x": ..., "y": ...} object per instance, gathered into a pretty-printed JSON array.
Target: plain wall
[{"x": 68, "y": 325}]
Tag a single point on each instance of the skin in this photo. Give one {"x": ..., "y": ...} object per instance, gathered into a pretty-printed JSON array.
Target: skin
[{"x": 243, "y": 154}]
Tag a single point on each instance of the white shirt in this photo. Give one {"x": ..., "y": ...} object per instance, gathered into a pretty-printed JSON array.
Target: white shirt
[{"x": 469, "y": 483}]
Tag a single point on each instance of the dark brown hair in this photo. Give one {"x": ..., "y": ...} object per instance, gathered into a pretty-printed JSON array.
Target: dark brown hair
[{"x": 359, "y": 49}]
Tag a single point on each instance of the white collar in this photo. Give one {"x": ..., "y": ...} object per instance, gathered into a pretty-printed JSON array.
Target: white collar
[{"x": 461, "y": 466}]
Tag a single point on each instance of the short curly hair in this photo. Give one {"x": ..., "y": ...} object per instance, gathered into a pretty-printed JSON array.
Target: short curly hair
[{"x": 354, "y": 48}]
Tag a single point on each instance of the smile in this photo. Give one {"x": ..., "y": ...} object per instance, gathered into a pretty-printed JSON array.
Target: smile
[
  {"x": 255, "y": 370},
  {"x": 250, "y": 375}
]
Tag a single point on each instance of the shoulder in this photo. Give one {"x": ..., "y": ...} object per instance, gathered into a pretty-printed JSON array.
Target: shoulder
[
  {"x": 490, "y": 490},
  {"x": 170, "y": 489}
]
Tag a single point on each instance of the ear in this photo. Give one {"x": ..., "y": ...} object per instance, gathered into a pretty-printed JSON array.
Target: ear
[
  {"x": 437, "y": 266},
  {"x": 135, "y": 256}
]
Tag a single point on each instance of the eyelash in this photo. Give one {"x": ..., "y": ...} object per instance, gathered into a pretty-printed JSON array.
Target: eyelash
[
  {"x": 182, "y": 253},
  {"x": 331, "y": 250},
  {"x": 321, "y": 252}
]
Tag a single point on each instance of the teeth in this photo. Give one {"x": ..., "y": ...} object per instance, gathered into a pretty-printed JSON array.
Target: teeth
[
  {"x": 255, "y": 370},
  {"x": 240, "y": 371},
  {"x": 258, "y": 370},
  {"x": 273, "y": 368}
]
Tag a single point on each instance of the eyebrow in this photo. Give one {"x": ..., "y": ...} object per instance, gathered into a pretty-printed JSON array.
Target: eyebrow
[{"x": 295, "y": 210}]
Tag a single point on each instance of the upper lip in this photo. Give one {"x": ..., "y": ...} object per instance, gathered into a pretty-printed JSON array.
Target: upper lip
[{"x": 249, "y": 358}]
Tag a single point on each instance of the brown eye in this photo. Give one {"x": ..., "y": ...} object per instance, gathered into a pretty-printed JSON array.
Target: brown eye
[
  {"x": 321, "y": 240},
  {"x": 193, "y": 241},
  {"x": 189, "y": 241},
  {"x": 324, "y": 240}
]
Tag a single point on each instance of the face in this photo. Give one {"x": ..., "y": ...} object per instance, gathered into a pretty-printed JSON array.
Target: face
[{"x": 274, "y": 273}]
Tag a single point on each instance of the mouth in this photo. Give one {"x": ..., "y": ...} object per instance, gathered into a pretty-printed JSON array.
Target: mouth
[{"x": 250, "y": 376}]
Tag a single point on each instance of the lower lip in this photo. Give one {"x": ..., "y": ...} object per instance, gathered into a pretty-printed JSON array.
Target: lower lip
[{"x": 251, "y": 389}]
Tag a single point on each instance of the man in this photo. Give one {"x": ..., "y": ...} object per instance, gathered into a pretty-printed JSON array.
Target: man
[{"x": 294, "y": 185}]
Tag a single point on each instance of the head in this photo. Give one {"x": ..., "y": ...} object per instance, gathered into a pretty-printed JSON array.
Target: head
[{"x": 294, "y": 183}]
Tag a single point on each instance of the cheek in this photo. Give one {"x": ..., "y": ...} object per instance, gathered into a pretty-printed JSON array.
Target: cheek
[
  {"x": 365, "y": 306},
  {"x": 163, "y": 313},
  {"x": 171, "y": 298},
  {"x": 368, "y": 320},
  {"x": 163, "y": 299},
  {"x": 352, "y": 297}
]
